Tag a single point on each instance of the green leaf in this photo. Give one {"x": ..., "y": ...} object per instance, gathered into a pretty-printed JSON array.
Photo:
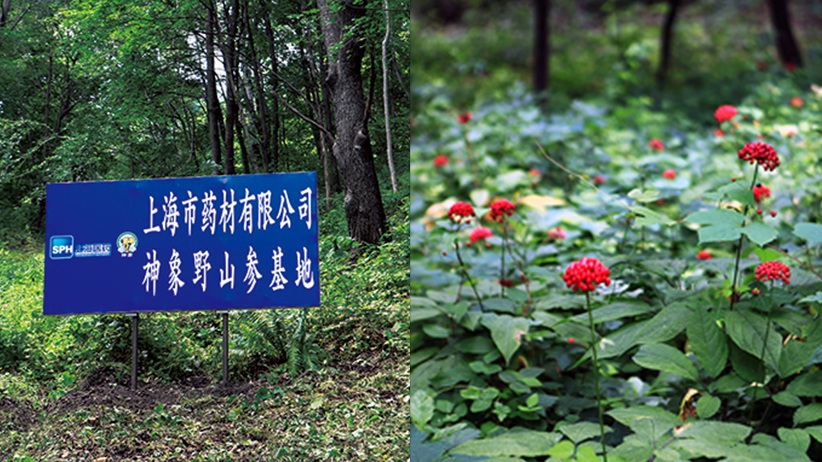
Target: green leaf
[
  {"x": 750, "y": 332},
  {"x": 500, "y": 305},
  {"x": 478, "y": 345},
  {"x": 759, "y": 233},
  {"x": 562, "y": 450},
  {"x": 798, "y": 438},
  {"x": 436, "y": 331},
  {"x": 815, "y": 431},
  {"x": 808, "y": 231},
  {"x": 719, "y": 432},
  {"x": 666, "y": 324},
  {"x": 808, "y": 413},
  {"x": 627, "y": 415},
  {"x": 787, "y": 399},
  {"x": 808, "y": 384},
  {"x": 526, "y": 443},
  {"x": 586, "y": 454},
  {"x": 747, "y": 366},
  {"x": 716, "y": 217},
  {"x": 506, "y": 332},
  {"x": 532, "y": 400},
  {"x": 719, "y": 233},
  {"x": 766, "y": 254},
  {"x": 647, "y": 217},
  {"x": 738, "y": 192},
  {"x": 581, "y": 431},
  {"x": 644, "y": 196},
  {"x": 422, "y": 407},
  {"x": 708, "y": 341},
  {"x": 707, "y": 406},
  {"x": 613, "y": 312},
  {"x": 661, "y": 357},
  {"x": 815, "y": 298},
  {"x": 795, "y": 356}
]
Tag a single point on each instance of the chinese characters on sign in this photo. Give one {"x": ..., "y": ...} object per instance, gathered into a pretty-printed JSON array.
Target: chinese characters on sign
[
  {"x": 182, "y": 244},
  {"x": 303, "y": 274}
]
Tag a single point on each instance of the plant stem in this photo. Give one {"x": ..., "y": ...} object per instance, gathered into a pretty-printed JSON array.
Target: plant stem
[
  {"x": 502, "y": 258},
  {"x": 523, "y": 277},
  {"x": 739, "y": 247},
  {"x": 762, "y": 354},
  {"x": 596, "y": 376},
  {"x": 466, "y": 276}
]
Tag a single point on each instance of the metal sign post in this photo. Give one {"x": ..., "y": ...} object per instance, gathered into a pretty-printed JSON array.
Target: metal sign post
[
  {"x": 225, "y": 346},
  {"x": 135, "y": 319}
]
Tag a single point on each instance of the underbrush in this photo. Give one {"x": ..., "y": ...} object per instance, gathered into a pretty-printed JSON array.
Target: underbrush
[{"x": 697, "y": 335}]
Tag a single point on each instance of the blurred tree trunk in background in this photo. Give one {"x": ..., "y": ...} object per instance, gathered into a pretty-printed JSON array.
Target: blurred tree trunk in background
[
  {"x": 542, "y": 50},
  {"x": 786, "y": 44},
  {"x": 666, "y": 39}
]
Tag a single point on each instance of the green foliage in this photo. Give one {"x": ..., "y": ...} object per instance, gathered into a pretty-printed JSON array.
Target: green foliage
[{"x": 699, "y": 359}]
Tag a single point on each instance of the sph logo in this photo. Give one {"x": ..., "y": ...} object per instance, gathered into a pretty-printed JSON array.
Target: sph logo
[{"x": 62, "y": 247}]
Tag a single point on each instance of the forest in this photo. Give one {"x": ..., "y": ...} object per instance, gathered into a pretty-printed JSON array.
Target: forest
[
  {"x": 120, "y": 90},
  {"x": 616, "y": 239}
]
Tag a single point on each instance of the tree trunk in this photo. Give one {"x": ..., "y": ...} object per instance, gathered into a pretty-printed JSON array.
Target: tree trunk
[
  {"x": 212, "y": 100},
  {"x": 352, "y": 148},
  {"x": 542, "y": 50},
  {"x": 230, "y": 63},
  {"x": 4, "y": 12},
  {"x": 385, "y": 99},
  {"x": 666, "y": 40},
  {"x": 786, "y": 44},
  {"x": 275, "y": 108},
  {"x": 261, "y": 120}
]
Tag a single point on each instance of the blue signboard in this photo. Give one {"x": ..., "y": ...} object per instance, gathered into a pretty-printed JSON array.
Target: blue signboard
[{"x": 221, "y": 242}]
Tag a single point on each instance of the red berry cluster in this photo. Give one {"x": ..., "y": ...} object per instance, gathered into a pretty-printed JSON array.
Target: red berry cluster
[
  {"x": 773, "y": 270},
  {"x": 656, "y": 144},
  {"x": 724, "y": 113},
  {"x": 478, "y": 234},
  {"x": 500, "y": 208},
  {"x": 464, "y": 117},
  {"x": 762, "y": 153},
  {"x": 760, "y": 192},
  {"x": 704, "y": 255},
  {"x": 585, "y": 274},
  {"x": 440, "y": 161},
  {"x": 461, "y": 212}
]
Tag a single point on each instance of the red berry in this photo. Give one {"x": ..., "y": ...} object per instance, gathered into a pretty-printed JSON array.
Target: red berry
[
  {"x": 773, "y": 213},
  {"x": 759, "y": 211},
  {"x": 571, "y": 340}
]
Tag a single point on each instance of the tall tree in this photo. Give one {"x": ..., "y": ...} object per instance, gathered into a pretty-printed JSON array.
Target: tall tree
[
  {"x": 666, "y": 40},
  {"x": 786, "y": 44},
  {"x": 386, "y": 98},
  {"x": 212, "y": 101},
  {"x": 542, "y": 48},
  {"x": 352, "y": 146},
  {"x": 231, "y": 61}
]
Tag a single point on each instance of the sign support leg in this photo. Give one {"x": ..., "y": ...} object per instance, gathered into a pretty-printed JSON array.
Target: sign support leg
[
  {"x": 134, "y": 322},
  {"x": 225, "y": 347}
]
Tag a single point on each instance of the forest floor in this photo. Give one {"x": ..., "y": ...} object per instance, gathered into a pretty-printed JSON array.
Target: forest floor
[{"x": 353, "y": 411}]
